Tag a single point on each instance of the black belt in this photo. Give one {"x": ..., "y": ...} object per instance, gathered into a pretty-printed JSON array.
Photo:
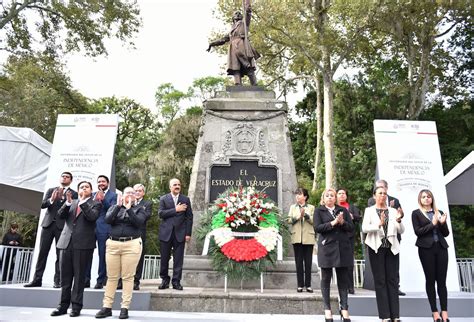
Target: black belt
[{"x": 124, "y": 239}]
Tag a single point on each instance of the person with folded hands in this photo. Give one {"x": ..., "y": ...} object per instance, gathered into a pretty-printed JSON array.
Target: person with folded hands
[{"x": 123, "y": 250}]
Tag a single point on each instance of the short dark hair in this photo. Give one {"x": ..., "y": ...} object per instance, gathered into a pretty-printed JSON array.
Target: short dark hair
[
  {"x": 68, "y": 173},
  {"x": 84, "y": 181},
  {"x": 14, "y": 225},
  {"x": 303, "y": 192},
  {"x": 103, "y": 176},
  {"x": 377, "y": 188}
]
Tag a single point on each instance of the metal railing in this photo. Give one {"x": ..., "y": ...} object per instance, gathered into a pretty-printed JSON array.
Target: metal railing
[
  {"x": 15, "y": 264},
  {"x": 466, "y": 274},
  {"x": 151, "y": 267},
  {"x": 359, "y": 268}
]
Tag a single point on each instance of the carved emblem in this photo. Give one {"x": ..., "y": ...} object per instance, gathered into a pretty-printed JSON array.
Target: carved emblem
[{"x": 245, "y": 141}]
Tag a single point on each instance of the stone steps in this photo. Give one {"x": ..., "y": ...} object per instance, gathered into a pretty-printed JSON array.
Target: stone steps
[{"x": 198, "y": 272}]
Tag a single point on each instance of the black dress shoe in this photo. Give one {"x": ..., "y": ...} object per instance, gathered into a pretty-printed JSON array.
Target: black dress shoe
[
  {"x": 299, "y": 289},
  {"x": 164, "y": 285},
  {"x": 309, "y": 290},
  {"x": 401, "y": 293},
  {"x": 59, "y": 311},
  {"x": 123, "y": 313},
  {"x": 74, "y": 313},
  {"x": 98, "y": 286},
  {"x": 56, "y": 285},
  {"x": 87, "y": 285},
  {"x": 136, "y": 287},
  {"x": 351, "y": 291},
  {"x": 103, "y": 313},
  {"x": 33, "y": 284},
  {"x": 177, "y": 287}
]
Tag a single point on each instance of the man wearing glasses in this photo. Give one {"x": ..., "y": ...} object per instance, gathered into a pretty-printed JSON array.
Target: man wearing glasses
[
  {"x": 147, "y": 206},
  {"x": 52, "y": 226}
]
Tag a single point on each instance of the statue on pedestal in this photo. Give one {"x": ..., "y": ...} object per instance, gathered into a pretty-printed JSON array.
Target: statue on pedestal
[{"x": 241, "y": 55}]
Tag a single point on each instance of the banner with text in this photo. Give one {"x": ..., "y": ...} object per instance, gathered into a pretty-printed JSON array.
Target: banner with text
[
  {"x": 84, "y": 145},
  {"x": 409, "y": 159}
]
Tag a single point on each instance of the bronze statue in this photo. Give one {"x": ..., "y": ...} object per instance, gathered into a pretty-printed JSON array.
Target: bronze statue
[{"x": 241, "y": 56}]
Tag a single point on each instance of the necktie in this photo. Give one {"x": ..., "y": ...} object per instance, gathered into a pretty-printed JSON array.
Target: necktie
[{"x": 78, "y": 210}]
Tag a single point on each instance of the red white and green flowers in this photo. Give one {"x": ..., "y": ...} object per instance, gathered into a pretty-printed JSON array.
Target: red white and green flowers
[{"x": 245, "y": 224}]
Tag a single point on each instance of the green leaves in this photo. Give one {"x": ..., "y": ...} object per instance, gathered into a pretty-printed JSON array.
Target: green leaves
[{"x": 65, "y": 26}]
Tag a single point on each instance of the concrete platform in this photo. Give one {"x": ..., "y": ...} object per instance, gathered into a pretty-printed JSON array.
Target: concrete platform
[
  {"x": 8, "y": 313},
  {"x": 215, "y": 300}
]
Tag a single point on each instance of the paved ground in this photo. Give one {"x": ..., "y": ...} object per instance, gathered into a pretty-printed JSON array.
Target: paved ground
[{"x": 8, "y": 313}]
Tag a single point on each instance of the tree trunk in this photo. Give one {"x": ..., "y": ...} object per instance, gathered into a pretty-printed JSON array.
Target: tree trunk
[
  {"x": 328, "y": 137},
  {"x": 319, "y": 132}
]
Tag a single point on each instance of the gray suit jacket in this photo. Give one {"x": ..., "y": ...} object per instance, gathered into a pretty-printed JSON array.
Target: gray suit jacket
[{"x": 79, "y": 229}]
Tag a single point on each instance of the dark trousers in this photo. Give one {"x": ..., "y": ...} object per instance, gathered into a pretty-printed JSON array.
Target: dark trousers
[
  {"x": 342, "y": 282},
  {"x": 303, "y": 260},
  {"x": 178, "y": 256},
  {"x": 73, "y": 269},
  {"x": 102, "y": 271},
  {"x": 138, "y": 274},
  {"x": 385, "y": 267},
  {"x": 101, "y": 240},
  {"x": 47, "y": 236},
  {"x": 435, "y": 265}
]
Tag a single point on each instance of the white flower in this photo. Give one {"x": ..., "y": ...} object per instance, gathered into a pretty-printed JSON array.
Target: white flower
[
  {"x": 222, "y": 235},
  {"x": 249, "y": 213},
  {"x": 267, "y": 237}
]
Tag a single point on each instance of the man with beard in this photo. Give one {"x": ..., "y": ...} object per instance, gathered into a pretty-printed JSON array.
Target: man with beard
[
  {"x": 107, "y": 198},
  {"x": 241, "y": 56}
]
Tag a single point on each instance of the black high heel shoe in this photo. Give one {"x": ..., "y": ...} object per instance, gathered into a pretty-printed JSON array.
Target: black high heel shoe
[{"x": 343, "y": 318}]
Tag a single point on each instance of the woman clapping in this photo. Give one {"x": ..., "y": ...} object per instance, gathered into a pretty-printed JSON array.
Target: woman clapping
[
  {"x": 430, "y": 226},
  {"x": 333, "y": 223},
  {"x": 382, "y": 224}
]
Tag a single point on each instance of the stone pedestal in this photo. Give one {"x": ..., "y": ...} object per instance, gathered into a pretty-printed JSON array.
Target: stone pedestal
[{"x": 244, "y": 140}]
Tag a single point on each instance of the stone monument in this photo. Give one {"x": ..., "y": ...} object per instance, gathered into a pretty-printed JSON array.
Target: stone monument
[{"x": 243, "y": 141}]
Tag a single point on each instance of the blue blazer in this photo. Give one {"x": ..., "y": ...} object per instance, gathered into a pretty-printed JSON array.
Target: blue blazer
[
  {"x": 179, "y": 223},
  {"x": 110, "y": 199}
]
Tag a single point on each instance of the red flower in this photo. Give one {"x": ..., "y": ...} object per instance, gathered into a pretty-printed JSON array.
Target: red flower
[{"x": 244, "y": 250}]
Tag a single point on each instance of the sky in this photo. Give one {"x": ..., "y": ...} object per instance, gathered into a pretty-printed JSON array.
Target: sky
[{"x": 170, "y": 48}]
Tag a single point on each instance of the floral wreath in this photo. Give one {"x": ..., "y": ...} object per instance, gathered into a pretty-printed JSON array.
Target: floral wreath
[{"x": 245, "y": 224}]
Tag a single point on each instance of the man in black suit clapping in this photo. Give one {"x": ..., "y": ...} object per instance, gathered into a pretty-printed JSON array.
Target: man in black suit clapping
[
  {"x": 52, "y": 227},
  {"x": 175, "y": 230}
]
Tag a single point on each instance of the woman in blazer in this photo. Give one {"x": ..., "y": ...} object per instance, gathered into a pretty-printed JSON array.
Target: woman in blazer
[
  {"x": 343, "y": 201},
  {"x": 430, "y": 227},
  {"x": 333, "y": 223},
  {"x": 382, "y": 224},
  {"x": 300, "y": 217}
]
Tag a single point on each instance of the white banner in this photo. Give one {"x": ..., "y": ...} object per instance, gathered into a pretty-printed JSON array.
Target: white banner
[
  {"x": 409, "y": 159},
  {"x": 84, "y": 145}
]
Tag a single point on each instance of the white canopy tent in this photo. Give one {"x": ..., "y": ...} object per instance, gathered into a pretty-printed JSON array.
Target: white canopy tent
[
  {"x": 24, "y": 161},
  {"x": 460, "y": 182}
]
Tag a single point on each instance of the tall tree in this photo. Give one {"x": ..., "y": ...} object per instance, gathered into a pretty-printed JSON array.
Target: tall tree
[
  {"x": 306, "y": 39},
  {"x": 415, "y": 33},
  {"x": 138, "y": 138},
  {"x": 64, "y": 26},
  {"x": 34, "y": 90}
]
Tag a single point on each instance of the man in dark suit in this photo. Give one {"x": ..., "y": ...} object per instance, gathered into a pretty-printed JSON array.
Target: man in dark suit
[
  {"x": 147, "y": 206},
  {"x": 76, "y": 246},
  {"x": 107, "y": 198},
  {"x": 175, "y": 230},
  {"x": 51, "y": 229},
  {"x": 392, "y": 202}
]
